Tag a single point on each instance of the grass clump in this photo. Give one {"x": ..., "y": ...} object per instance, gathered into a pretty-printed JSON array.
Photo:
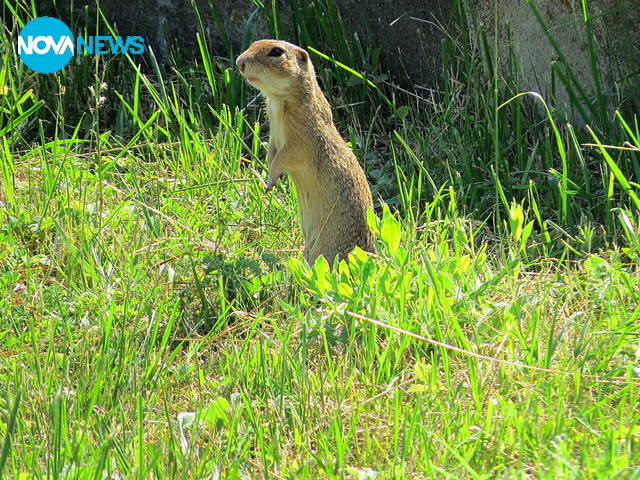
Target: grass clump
[{"x": 156, "y": 320}]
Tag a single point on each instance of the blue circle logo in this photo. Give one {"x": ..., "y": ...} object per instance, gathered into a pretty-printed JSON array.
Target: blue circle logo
[{"x": 45, "y": 45}]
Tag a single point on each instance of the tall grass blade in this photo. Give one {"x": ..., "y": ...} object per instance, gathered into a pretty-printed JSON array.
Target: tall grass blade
[{"x": 11, "y": 425}]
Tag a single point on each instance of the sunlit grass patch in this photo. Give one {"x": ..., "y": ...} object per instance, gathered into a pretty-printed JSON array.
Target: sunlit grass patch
[{"x": 157, "y": 319}]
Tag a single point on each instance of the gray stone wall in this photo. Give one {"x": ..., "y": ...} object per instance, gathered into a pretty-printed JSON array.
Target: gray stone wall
[
  {"x": 407, "y": 32},
  {"x": 614, "y": 26}
]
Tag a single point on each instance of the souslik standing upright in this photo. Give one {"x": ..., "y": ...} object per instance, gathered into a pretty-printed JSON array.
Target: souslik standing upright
[{"x": 333, "y": 192}]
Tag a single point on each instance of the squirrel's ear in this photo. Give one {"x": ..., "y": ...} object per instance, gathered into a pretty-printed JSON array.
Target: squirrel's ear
[{"x": 303, "y": 57}]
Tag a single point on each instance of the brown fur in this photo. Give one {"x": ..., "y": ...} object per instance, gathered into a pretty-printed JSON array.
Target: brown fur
[{"x": 333, "y": 192}]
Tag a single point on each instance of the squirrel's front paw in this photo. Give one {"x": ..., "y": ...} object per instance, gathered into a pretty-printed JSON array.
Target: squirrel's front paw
[{"x": 273, "y": 179}]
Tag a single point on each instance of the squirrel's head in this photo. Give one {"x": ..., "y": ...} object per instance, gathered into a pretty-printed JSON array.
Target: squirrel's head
[{"x": 275, "y": 67}]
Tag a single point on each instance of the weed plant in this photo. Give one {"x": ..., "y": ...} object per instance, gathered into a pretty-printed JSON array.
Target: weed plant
[{"x": 156, "y": 320}]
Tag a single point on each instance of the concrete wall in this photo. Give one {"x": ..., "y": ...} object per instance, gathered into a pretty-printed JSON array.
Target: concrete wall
[
  {"x": 614, "y": 24},
  {"x": 407, "y": 32}
]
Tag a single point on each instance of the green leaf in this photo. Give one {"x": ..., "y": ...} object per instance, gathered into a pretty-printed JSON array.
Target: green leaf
[
  {"x": 403, "y": 111},
  {"x": 422, "y": 371},
  {"x": 390, "y": 232},
  {"x": 320, "y": 271}
]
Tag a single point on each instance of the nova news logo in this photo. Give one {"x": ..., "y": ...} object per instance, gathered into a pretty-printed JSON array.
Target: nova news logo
[{"x": 46, "y": 45}]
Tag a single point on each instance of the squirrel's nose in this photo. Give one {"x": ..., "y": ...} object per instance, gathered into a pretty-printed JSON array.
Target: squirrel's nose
[{"x": 241, "y": 63}]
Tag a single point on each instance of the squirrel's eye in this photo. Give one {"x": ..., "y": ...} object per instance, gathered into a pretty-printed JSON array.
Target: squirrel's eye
[{"x": 275, "y": 52}]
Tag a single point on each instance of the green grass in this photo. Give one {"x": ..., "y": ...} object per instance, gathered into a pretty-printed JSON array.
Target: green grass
[{"x": 157, "y": 321}]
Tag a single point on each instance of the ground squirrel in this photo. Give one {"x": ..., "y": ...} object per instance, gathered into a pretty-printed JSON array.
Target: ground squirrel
[{"x": 333, "y": 192}]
